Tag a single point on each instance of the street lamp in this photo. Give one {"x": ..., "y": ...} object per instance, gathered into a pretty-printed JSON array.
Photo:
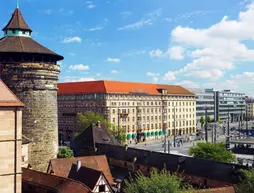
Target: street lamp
[
  {"x": 206, "y": 131},
  {"x": 174, "y": 126}
]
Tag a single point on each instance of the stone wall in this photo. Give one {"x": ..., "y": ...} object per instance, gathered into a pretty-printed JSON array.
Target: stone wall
[{"x": 36, "y": 86}]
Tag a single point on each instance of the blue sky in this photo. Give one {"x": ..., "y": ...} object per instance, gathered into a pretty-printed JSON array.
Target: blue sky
[{"x": 193, "y": 43}]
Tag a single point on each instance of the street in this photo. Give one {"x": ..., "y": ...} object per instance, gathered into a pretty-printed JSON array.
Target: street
[{"x": 157, "y": 145}]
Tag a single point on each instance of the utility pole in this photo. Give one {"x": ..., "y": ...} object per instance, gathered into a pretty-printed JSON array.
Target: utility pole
[
  {"x": 212, "y": 134},
  {"x": 169, "y": 146},
  {"x": 174, "y": 126},
  {"x": 206, "y": 131},
  {"x": 215, "y": 133},
  {"x": 246, "y": 117},
  {"x": 227, "y": 138},
  {"x": 165, "y": 144},
  {"x": 118, "y": 123}
]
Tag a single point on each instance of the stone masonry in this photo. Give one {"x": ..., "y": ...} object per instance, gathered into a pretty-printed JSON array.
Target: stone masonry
[{"x": 36, "y": 86}]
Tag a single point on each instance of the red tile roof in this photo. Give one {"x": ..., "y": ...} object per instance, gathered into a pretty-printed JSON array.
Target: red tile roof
[
  {"x": 62, "y": 166},
  {"x": 104, "y": 86},
  {"x": 7, "y": 98},
  {"x": 63, "y": 185},
  {"x": 17, "y": 21}
]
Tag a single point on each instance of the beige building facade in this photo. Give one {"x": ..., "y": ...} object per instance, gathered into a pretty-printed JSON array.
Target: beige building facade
[
  {"x": 151, "y": 109},
  {"x": 10, "y": 141},
  {"x": 250, "y": 108}
]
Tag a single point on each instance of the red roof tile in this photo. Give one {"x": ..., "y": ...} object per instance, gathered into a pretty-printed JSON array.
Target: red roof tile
[
  {"x": 62, "y": 166},
  {"x": 104, "y": 86},
  {"x": 64, "y": 185},
  {"x": 7, "y": 98},
  {"x": 17, "y": 21}
]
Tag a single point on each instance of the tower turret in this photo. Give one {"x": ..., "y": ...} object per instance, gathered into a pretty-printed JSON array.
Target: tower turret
[{"x": 31, "y": 72}]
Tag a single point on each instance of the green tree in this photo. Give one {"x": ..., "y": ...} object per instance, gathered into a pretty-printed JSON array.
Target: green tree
[
  {"x": 202, "y": 121},
  {"x": 65, "y": 152},
  {"x": 219, "y": 121},
  {"x": 159, "y": 182},
  {"x": 212, "y": 151},
  {"x": 209, "y": 119},
  {"x": 88, "y": 118},
  {"x": 247, "y": 185}
]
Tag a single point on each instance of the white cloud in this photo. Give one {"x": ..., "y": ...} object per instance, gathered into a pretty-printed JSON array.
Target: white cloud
[
  {"x": 113, "y": 71},
  {"x": 125, "y": 14},
  {"x": 152, "y": 74},
  {"x": 216, "y": 49},
  {"x": 155, "y": 79},
  {"x": 156, "y": 53},
  {"x": 155, "y": 76},
  {"x": 139, "y": 52},
  {"x": 98, "y": 74},
  {"x": 148, "y": 19},
  {"x": 98, "y": 28},
  {"x": 79, "y": 67},
  {"x": 72, "y": 39},
  {"x": 188, "y": 84},
  {"x": 169, "y": 76},
  {"x": 174, "y": 52},
  {"x": 137, "y": 25},
  {"x": 114, "y": 60},
  {"x": 239, "y": 82},
  {"x": 83, "y": 80},
  {"x": 90, "y": 4}
]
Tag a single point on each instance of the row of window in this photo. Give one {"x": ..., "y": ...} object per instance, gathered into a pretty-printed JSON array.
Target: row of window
[
  {"x": 124, "y": 119},
  {"x": 179, "y": 103}
]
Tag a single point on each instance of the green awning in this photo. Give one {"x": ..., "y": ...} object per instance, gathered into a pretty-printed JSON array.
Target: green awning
[
  {"x": 164, "y": 131},
  {"x": 148, "y": 134},
  {"x": 152, "y": 133},
  {"x": 128, "y": 136},
  {"x": 156, "y": 132},
  {"x": 160, "y": 132},
  {"x": 133, "y": 135},
  {"x": 145, "y": 134}
]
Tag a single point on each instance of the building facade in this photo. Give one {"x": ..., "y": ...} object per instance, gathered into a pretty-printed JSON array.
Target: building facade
[
  {"x": 31, "y": 71},
  {"x": 230, "y": 105},
  {"x": 205, "y": 99},
  {"x": 250, "y": 108},
  {"x": 10, "y": 141},
  {"x": 136, "y": 107}
]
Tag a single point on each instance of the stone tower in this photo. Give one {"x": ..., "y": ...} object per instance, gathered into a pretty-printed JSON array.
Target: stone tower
[{"x": 31, "y": 72}]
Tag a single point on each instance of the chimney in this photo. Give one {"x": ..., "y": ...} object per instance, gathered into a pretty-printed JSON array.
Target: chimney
[
  {"x": 78, "y": 165},
  {"x": 99, "y": 124}
]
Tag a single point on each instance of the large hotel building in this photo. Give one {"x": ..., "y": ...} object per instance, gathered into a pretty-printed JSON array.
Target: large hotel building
[{"x": 152, "y": 109}]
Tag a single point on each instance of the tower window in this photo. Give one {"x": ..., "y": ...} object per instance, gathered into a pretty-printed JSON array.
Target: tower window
[
  {"x": 23, "y": 32},
  {"x": 13, "y": 31}
]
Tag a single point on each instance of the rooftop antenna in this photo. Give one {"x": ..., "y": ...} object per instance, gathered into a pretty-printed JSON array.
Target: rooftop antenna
[{"x": 17, "y": 3}]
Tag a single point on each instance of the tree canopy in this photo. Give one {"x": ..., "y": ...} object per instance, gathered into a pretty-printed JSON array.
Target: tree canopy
[
  {"x": 247, "y": 185},
  {"x": 202, "y": 121},
  {"x": 209, "y": 119},
  {"x": 65, "y": 152},
  {"x": 159, "y": 182},
  {"x": 219, "y": 121},
  {"x": 212, "y": 151},
  {"x": 88, "y": 118}
]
